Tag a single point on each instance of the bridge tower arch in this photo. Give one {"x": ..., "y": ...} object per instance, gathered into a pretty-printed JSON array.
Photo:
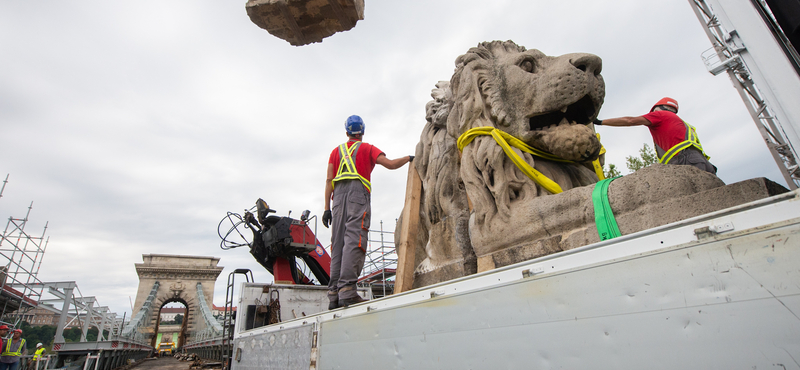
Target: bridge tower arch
[
  {"x": 168, "y": 330},
  {"x": 165, "y": 278}
]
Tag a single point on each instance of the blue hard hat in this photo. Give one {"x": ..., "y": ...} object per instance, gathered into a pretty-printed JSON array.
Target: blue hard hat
[{"x": 354, "y": 125}]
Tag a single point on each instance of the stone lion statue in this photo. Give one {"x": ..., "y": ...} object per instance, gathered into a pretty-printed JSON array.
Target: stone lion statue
[
  {"x": 471, "y": 196},
  {"x": 507, "y": 159}
]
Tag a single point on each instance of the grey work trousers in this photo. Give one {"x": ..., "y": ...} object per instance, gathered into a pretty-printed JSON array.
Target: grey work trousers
[
  {"x": 693, "y": 157},
  {"x": 349, "y": 225}
]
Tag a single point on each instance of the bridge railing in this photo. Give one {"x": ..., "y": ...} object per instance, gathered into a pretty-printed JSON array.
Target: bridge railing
[
  {"x": 213, "y": 328},
  {"x": 142, "y": 318}
]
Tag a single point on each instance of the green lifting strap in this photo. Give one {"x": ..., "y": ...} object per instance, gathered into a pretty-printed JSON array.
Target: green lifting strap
[{"x": 603, "y": 216}]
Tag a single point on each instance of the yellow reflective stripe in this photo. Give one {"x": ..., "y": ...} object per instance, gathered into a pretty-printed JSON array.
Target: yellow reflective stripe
[
  {"x": 696, "y": 141},
  {"x": 691, "y": 140},
  {"x": 347, "y": 166},
  {"x": 674, "y": 150},
  {"x": 8, "y": 352}
]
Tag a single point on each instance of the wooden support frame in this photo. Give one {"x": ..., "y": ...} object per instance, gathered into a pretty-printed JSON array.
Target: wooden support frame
[{"x": 406, "y": 250}]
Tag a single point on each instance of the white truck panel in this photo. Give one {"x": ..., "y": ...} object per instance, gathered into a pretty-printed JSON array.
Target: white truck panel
[{"x": 666, "y": 298}]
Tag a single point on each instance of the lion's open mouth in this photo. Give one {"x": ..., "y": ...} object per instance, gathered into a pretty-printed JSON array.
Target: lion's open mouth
[{"x": 579, "y": 112}]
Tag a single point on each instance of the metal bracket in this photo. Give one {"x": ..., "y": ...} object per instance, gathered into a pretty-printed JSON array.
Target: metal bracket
[{"x": 532, "y": 271}]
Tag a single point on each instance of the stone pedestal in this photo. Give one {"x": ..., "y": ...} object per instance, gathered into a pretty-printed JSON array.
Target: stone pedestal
[{"x": 651, "y": 197}]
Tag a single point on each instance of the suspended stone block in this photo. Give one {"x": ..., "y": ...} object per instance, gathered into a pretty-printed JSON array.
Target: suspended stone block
[{"x": 302, "y": 22}]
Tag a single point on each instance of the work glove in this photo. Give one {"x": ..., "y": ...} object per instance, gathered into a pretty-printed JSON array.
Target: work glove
[
  {"x": 326, "y": 218},
  {"x": 410, "y": 158},
  {"x": 598, "y": 122}
]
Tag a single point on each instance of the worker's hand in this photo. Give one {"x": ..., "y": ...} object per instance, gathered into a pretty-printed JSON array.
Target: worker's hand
[
  {"x": 326, "y": 218},
  {"x": 410, "y": 158},
  {"x": 598, "y": 122}
]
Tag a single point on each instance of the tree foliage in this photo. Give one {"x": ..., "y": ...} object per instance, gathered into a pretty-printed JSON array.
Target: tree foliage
[
  {"x": 610, "y": 171},
  {"x": 74, "y": 334},
  {"x": 37, "y": 334},
  {"x": 646, "y": 157},
  {"x": 46, "y": 334},
  {"x": 176, "y": 321}
]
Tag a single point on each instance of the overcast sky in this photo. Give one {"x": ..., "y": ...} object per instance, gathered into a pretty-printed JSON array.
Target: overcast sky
[{"x": 134, "y": 126}]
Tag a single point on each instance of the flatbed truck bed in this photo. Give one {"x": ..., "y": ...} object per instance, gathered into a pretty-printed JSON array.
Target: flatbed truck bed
[{"x": 719, "y": 291}]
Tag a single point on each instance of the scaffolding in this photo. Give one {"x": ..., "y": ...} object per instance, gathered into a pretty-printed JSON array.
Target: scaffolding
[
  {"x": 380, "y": 264},
  {"x": 772, "y": 64},
  {"x": 21, "y": 289}
]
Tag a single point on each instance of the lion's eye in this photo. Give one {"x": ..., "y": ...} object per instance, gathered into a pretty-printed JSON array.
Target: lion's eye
[{"x": 528, "y": 65}]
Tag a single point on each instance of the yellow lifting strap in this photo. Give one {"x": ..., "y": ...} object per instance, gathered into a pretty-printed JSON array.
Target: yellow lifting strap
[
  {"x": 347, "y": 166},
  {"x": 691, "y": 140},
  {"x": 506, "y": 141}
]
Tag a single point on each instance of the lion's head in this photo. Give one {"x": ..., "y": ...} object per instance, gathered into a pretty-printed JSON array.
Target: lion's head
[
  {"x": 547, "y": 102},
  {"x": 478, "y": 201}
]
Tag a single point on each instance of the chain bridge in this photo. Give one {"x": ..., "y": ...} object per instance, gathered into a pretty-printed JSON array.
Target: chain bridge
[{"x": 164, "y": 279}]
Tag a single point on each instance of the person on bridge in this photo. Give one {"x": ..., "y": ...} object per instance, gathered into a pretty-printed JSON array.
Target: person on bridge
[
  {"x": 38, "y": 356},
  {"x": 349, "y": 168},
  {"x": 3, "y": 334},
  {"x": 676, "y": 141},
  {"x": 13, "y": 349}
]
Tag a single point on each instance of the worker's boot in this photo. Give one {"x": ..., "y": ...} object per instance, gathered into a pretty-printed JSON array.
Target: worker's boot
[
  {"x": 333, "y": 300},
  {"x": 350, "y": 301}
]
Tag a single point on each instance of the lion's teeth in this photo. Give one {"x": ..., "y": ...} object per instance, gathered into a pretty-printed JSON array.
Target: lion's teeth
[{"x": 564, "y": 110}]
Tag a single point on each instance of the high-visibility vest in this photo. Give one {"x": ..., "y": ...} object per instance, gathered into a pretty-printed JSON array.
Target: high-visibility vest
[
  {"x": 7, "y": 350},
  {"x": 690, "y": 139},
  {"x": 38, "y": 354},
  {"x": 347, "y": 166}
]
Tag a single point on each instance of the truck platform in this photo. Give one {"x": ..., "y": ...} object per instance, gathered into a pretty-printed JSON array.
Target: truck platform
[{"x": 719, "y": 291}]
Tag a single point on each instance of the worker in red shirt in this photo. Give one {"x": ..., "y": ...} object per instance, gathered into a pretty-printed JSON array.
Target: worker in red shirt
[
  {"x": 3, "y": 334},
  {"x": 675, "y": 140},
  {"x": 13, "y": 349},
  {"x": 348, "y": 180}
]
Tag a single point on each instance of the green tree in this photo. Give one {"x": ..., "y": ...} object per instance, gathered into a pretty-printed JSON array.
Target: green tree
[
  {"x": 646, "y": 157},
  {"x": 72, "y": 335},
  {"x": 37, "y": 334},
  {"x": 178, "y": 319},
  {"x": 611, "y": 172}
]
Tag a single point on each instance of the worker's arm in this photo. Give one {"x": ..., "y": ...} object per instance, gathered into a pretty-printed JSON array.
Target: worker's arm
[
  {"x": 328, "y": 187},
  {"x": 326, "y": 216},
  {"x": 624, "y": 121},
  {"x": 392, "y": 164}
]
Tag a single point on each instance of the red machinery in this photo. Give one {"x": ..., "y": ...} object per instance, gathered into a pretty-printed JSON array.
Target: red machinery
[{"x": 277, "y": 242}]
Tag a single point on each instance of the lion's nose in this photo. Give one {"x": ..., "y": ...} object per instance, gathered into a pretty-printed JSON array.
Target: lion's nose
[{"x": 589, "y": 63}]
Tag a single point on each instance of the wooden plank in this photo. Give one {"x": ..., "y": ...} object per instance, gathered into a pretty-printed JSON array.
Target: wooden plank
[{"x": 407, "y": 248}]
